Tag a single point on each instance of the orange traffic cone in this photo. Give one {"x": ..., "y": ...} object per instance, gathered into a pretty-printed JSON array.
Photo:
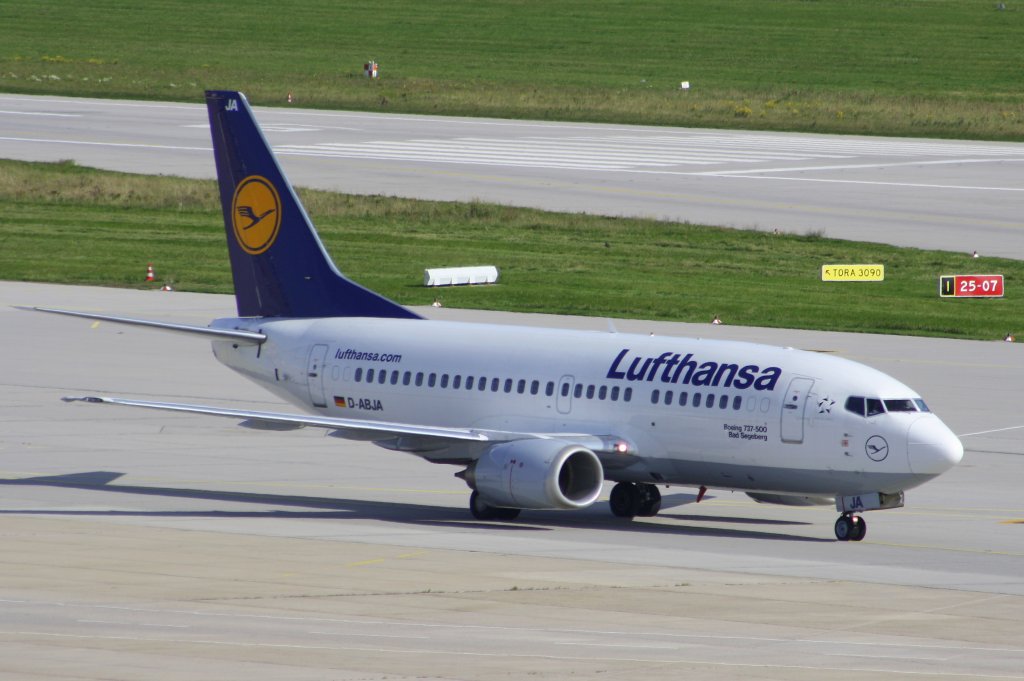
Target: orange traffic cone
[
  {"x": 289, "y": 98},
  {"x": 149, "y": 272}
]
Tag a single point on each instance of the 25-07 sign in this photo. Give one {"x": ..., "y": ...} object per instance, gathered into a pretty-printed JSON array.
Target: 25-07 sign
[{"x": 971, "y": 286}]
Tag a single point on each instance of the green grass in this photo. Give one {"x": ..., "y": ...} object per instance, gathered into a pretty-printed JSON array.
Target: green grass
[
  {"x": 908, "y": 67},
  {"x": 67, "y": 224}
]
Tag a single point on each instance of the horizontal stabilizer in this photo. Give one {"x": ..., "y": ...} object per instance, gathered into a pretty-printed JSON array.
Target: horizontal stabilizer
[{"x": 237, "y": 335}]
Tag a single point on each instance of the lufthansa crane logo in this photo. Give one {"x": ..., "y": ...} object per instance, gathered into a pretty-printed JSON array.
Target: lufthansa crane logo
[
  {"x": 256, "y": 214},
  {"x": 876, "y": 448}
]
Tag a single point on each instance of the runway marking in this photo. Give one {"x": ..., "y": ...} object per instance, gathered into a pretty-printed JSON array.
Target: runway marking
[
  {"x": 919, "y": 185},
  {"x": 994, "y": 430},
  {"x": 505, "y": 654},
  {"x": 40, "y": 113},
  {"x": 349, "y": 633},
  {"x": 956, "y": 161},
  {"x": 104, "y": 144}
]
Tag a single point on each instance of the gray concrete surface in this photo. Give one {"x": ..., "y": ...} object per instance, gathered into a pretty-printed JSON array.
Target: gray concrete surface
[
  {"x": 950, "y": 195},
  {"x": 142, "y": 545}
]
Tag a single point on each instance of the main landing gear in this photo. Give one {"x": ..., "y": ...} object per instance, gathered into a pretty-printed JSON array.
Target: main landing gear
[
  {"x": 630, "y": 499},
  {"x": 851, "y": 527},
  {"x": 484, "y": 511}
]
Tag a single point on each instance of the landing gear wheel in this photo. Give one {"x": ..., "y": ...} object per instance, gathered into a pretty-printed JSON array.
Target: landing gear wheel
[
  {"x": 481, "y": 510},
  {"x": 860, "y": 528},
  {"x": 650, "y": 500},
  {"x": 851, "y": 528},
  {"x": 507, "y": 513},
  {"x": 625, "y": 500}
]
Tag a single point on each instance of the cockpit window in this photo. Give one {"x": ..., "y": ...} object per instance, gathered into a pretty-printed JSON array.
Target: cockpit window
[
  {"x": 874, "y": 406},
  {"x": 900, "y": 405}
]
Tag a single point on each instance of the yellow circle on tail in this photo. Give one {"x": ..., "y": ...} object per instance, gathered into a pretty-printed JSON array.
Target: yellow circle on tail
[{"x": 256, "y": 214}]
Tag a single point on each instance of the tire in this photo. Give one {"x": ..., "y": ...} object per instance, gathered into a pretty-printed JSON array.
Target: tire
[
  {"x": 650, "y": 500},
  {"x": 860, "y": 529},
  {"x": 480, "y": 509},
  {"x": 844, "y": 528},
  {"x": 625, "y": 500}
]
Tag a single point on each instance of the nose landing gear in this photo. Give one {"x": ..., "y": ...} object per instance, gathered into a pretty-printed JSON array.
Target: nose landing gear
[{"x": 851, "y": 527}]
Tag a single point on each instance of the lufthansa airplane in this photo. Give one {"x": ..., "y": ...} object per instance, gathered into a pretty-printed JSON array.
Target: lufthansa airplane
[{"x": 540, "y": 418}]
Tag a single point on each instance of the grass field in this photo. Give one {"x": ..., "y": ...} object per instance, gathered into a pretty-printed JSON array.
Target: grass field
[
  {"x": 906, "y": 67},
  {"x": 64, "y": 223}
]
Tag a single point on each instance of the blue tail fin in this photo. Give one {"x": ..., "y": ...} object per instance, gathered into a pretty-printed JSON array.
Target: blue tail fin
[{"x": 279, "y": 265}]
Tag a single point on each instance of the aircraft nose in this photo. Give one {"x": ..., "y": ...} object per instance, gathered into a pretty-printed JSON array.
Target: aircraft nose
[{"x": 933, "y": 448}]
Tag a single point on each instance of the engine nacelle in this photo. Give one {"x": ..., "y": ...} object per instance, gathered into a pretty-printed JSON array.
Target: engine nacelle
[{"x": 537, "y": 474}]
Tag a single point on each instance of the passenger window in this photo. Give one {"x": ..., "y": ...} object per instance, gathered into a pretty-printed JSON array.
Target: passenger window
[
  {"x": 737, "y": 402},
  {"x": 668, "y": 397},
  {"x": 535, "y": 387},
  {"x": 469, "y": 382},
  {"x": 615, "y": 393},
  {"x": 549, "y": 389},
  {"x": 359, "y": 375},
  {"x": 482, "y": 384},
  {"x": 874, "y": 407},
  {"x": 394, "y": 377},
  {"x": 456, "y": 382},
  {"x": 578, "y": 391},
  {"x": 382, "y": 376},
  {"x": 655, "y": 395},
  {"x": 723, "y": 401},
  {"x": 855, "y": 405},
  {"x": 565, "y": 390},
  {"x": 709, "y": 401},
  {"x": 444, "y": 380},
  {"x": 495, "y": 383},
  {"x": 521, "y": 386},
  {"x": 682, "y": 399},
  {"x": 508, "y": 385},
  {"x": 431, "y": 380},
  {"x": 627, "y": 394},
  {"x": 590, "y": 392},
  {"x": 602, "y": 392},
  {"x": 696, "y": 399},
  {"x": 407, "y": 378},
  {"x": 419, "y": 378},
  {"x": 369, "y": 375},
  {"x": 900, "y": 405}
]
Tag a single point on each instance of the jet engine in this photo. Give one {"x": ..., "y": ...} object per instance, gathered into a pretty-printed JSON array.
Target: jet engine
[{"x": 537, "y": 474}]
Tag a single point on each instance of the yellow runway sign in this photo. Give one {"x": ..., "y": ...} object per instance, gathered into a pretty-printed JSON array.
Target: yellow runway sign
[{"x": 853, "y": 272}]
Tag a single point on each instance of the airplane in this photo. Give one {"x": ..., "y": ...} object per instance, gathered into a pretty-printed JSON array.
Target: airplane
[{"x": 539, "y": 418}]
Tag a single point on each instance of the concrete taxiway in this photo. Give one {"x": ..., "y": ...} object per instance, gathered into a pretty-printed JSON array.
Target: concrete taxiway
[
  {"x": 146, "y": 545},
  {"x": 945, "y": 194}
]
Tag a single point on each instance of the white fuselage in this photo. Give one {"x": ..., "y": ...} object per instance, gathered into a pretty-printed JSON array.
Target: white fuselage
[{"x": 694, "y": 411}]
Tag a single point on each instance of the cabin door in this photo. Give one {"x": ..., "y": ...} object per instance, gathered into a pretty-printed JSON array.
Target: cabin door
[
  {"x": 315, "y": 375},
  {"x": 793, "y": 410}
]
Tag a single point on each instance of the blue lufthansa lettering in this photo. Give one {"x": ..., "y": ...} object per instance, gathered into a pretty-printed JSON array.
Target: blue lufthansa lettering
[{"x": 669, "y": 367}]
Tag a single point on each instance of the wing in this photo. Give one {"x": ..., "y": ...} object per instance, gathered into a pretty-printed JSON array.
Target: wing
[{"x": 418, "y": 439}]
